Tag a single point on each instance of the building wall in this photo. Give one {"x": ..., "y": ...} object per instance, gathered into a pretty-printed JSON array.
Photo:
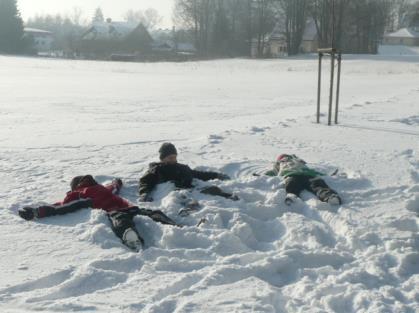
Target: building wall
[
  {"x": 309, "y": 46},
  {"x": 273, "y": 49},
  {"x": 277, "y": 49},
  {"x": 43, "y": 43},
  {"x": 401, "y": 41}
]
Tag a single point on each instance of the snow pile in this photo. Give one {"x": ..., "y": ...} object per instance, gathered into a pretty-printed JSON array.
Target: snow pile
[{"x": 253, "y": 255}]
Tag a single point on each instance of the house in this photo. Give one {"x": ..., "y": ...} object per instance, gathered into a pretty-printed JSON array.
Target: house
[
  {"x": 274, "y": 45},
  {"x": 42, "y": 39},
  {"x": 163, "y": 47},
  {"x": 105, "y": 39},
  {"x": 277, "y": 44},
  {"x": 310, "y": 42},
  {"x": 169, "y": 46},
  {"x": 404, "y": 37}
]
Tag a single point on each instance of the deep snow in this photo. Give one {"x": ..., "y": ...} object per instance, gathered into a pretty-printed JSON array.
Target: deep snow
[{"x": 65, "y": 118}]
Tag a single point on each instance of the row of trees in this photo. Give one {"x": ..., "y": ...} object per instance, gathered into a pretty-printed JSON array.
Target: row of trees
[
  {"x": 68, "y": 29},
  {"x": 231, "y": 27},
  {"x": 228, "y": 27}
]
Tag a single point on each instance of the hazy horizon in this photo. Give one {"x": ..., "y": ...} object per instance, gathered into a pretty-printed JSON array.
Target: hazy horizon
[{"x": 110, "y": 8}]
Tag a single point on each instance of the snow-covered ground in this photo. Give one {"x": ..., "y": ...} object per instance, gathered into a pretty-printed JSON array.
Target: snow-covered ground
[{"x": 60, "y": 119}]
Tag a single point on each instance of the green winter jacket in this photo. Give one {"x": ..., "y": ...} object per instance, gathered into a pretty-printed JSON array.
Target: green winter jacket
[{"x": 291, "y": 165}]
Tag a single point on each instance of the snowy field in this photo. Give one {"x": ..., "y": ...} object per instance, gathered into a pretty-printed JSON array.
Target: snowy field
[{"x": 60, "y": 119}]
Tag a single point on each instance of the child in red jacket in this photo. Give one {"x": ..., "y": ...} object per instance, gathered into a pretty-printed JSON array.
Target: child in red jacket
[{"x": 87, "y": 193}]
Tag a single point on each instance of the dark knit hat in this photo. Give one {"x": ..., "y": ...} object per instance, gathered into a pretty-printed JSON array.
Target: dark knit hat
[
  {"x": 87, "y": 180},
  {"x": 167, "y": 149}
]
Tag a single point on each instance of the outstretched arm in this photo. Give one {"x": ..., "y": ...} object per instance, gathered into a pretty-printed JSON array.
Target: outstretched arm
[
  {"x": 205, "y": 176},
  {"x": 147, "y": 184},
  {"x": 57, "y": 209}
]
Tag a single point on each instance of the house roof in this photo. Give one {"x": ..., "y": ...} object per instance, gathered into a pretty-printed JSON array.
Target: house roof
[
  {"x": 106, "y": 30},
  {"x": 170, "y": 45},
  {"x": 404, "y": 33},
  {"x": 37, "y": 31},
  {"x": 310, "y": 32},
  {"x": 277, "y": 33}
]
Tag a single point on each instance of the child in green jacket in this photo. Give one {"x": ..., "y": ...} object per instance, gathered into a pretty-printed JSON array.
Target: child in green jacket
[{"x": 298, "y": 177}]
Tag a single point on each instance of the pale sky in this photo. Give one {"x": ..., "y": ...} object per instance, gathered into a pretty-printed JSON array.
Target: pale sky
[{"x": 114, "y": 9}]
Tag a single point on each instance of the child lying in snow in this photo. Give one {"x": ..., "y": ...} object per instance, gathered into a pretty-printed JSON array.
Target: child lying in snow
[
  {"x": 298, "y": 177},
  {"x": 87, "y": 193},
  {"x": 168, "y": 169}
]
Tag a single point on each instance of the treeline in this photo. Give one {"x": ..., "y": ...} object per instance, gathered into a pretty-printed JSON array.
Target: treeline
[
  {"x": 230, "y": 27},
  {"x": 68, "y": 29},
  {"x": 223, "y": 28}
]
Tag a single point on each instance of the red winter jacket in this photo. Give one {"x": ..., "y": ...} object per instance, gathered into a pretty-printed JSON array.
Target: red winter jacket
[{"x": 103, "y": 197}]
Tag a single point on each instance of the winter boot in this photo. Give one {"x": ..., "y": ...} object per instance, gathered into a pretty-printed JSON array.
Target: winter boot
[
  {"x": 290, "y": 199},
  {"x": 334, "y": 199},
  {"x": 132, "y": 240}
]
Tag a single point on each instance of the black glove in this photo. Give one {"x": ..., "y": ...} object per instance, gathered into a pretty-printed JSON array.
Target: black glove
[
  {"x": 146, "y": 198},
  {"x": 27, "y": 213},
  {"x": 223, "y": 177}
]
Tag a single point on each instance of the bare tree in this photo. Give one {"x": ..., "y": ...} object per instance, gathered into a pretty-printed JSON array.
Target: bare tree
[
  {"x": 264, "y": 17},
  {"x": 150, "y": 18},
  {"x": 413, "y": 17},
  {"x": 295, "y": 12},
  {"x": 76, "y": 16},
  {"x": 199, "y": 15}
]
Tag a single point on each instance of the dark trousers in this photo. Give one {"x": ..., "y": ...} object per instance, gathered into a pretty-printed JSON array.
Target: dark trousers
[
  {"x": 216, "y": 191},
  {"x": 316, "y": 185},
  {"x": 121, "y": 221}
]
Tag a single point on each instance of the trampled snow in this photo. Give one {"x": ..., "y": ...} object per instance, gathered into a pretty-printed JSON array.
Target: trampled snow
[{"x": 60, "y": 119}]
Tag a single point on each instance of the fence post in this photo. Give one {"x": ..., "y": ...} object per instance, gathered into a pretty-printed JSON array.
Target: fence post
[
  {"x": 332, "y": 79},
  {"x": 338, "y": 87},
  {"x": 319, "y": 86}
]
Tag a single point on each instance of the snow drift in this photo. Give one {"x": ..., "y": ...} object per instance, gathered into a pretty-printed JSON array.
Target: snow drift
[{"x": 60, "y": 119}]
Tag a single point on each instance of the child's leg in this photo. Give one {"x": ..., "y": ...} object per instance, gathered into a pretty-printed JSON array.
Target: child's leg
[
  {"x": 296, "y": 184},
  {"x": 121, "y": 222},
  {"x": 319, "y": 187},
  {"x": 216, "y": 191}
]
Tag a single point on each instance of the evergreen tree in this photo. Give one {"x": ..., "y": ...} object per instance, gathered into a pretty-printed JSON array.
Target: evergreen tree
[
  {"x": 11, "y": 28},
  {"x": 98, "y": 17}
]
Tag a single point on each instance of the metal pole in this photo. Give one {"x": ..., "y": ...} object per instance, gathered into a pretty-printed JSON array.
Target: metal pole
[
  {"x": 333, "y": 24},
  {"x": 332, "y": 78},
  {"x": 319, "y": 86},
  {"x": 338, "y": 87}
]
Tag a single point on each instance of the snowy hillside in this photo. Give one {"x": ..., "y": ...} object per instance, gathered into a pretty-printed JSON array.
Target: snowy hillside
[{"x": 60, "y": 119}]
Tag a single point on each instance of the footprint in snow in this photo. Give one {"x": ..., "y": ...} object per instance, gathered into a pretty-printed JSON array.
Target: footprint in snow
[
  {"x": 413, "y": 205},
  {"x": 215, "y": 139},
  {"x": 257, "y": 130}
]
